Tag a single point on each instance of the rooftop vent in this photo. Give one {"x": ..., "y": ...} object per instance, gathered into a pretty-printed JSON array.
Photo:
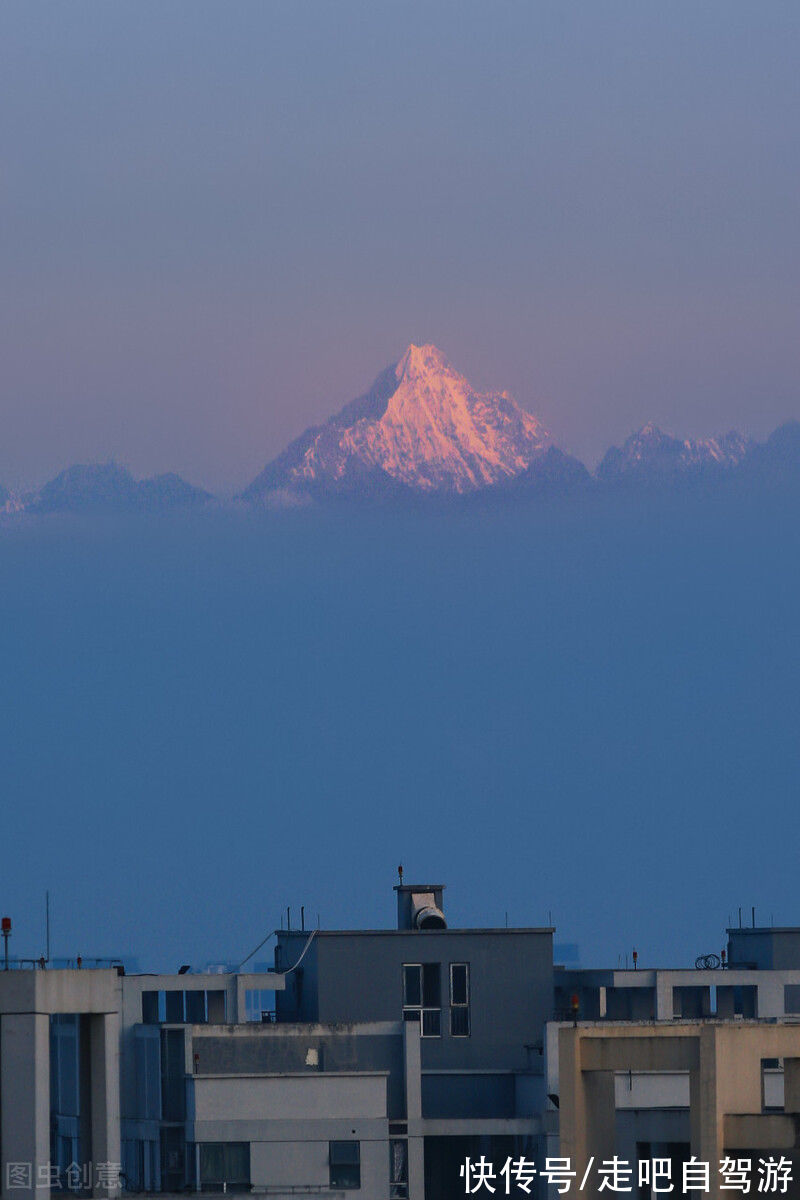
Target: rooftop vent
[{"x": 419, "y": 906}]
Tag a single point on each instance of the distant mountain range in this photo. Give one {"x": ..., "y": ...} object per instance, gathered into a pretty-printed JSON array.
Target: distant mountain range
[
  {"x": 106, "y": 487},
  {"x": 422, "y": 429}
]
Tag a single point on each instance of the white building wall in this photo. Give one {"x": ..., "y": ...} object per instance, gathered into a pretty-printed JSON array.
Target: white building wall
[{"x": 301, "y": 1097}]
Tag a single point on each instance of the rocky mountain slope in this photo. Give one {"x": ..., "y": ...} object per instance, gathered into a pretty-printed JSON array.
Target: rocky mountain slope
[
  {"x": 422, "y": 427},
  {"x": 652, "y": 454},
  {"x": 107, "y": 487}
]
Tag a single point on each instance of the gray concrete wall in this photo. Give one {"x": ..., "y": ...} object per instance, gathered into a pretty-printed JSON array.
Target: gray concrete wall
[
  {"x": 289, "y": 1121},
  {"x": 299, "y": 999},
  {"x": 359, "y": 978},
  {"x": 27, "y": 1000},
  {"x": 296, "y": 1049},
  {"x": 233, "y": 1100},
  {"x": 767, "y": 949},
  {"x": 304, "y": 1164},
  {"x": 25, "y": 1090}
]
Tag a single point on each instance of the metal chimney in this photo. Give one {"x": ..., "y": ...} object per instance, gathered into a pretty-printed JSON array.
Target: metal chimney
[{"x": 419, "y": 906}]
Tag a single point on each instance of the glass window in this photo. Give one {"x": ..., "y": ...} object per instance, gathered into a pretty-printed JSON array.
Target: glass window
[
  {"x": 344, "y": 1159},
  {"x": 422, "y": 996},
  {"x": 431, "y": 1022},
  {"x": 225, "y": 1163},
  {"x": 459, "y": 1000},
  {"x": 412, "y": 985},
  {"x": 174, "y": 1006},
  {"x": 398, "y": 1169},
  {"x": 195, "y": 1007},
  {"x": 459, "y": 992},
  {"x": 431, "y": 986},
  {"x": 149, "y": 1008}
]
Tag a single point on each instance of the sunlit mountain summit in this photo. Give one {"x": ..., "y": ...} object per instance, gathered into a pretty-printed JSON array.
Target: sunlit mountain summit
[{"x": 421, "y": 427}]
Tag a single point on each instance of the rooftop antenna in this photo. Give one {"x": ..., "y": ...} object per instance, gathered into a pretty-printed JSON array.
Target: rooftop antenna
[
  {"x": 5, "y": 928},
  {"x": 47, "y": 926},
  {"x": 400, "y": 874},
  {"x": 754, "y": 916}
]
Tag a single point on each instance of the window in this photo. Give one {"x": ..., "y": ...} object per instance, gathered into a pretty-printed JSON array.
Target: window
[
  {"x": 191, "y": 1007},
  {"x": 459, "y": 1000},
  {"x": 398, "y": 1169},
  {"x": 174, "y": 1008},
  {"x": 422, "y": 996},
  {"x": 344, "y": 1160},
  {"x": 259, "y": 1006},
  {"x": 149, "y": 1008},
  {"x": 225, "y": 1166}
]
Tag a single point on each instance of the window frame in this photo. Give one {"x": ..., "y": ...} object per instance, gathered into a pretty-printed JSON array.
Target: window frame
[
  {"x": 225, "y": 1151},
  {"x": 421, "y": 1011},
  {"x": 459, "y": 1007}
]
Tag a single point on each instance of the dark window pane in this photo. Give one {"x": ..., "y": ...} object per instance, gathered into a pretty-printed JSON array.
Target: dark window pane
[
  {"x": 431, "y": 1022},
  {"x": 791, "y": 998},
  {"x": 345, "y": 1164},
  {"x": 195, "y": 1007},
  {"x": 149, "y": 1008},
  {"x": 173, "y": 1075},
  {"x": 174, "y": 1008},
  {"x": 412, "y": 990},
  {"x": 216, "y": 1007},
  {"x": 237, "y": 1163},
  {"x": 458, "y": 983},
  {"x": 432, "y": 985},
  {"x": 459, "y": 1021},
  {"x": 225, "y": 1163},
  {"x": 212, "y": 1162}
]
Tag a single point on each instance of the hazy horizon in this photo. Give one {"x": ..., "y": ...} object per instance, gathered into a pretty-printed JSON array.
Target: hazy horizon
[
  {"x": 578, "y": 708},
  {"x": 231, "y": 492}
]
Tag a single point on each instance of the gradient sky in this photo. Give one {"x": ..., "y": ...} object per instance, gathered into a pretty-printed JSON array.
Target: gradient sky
[{"x": 219, "y": 221}]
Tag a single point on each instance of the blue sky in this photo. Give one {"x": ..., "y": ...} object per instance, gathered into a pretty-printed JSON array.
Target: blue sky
[{"x": 219, "y": 221}]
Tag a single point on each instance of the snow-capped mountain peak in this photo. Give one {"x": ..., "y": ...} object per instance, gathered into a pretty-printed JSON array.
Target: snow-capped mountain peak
[{"x": 421, "y": 426}]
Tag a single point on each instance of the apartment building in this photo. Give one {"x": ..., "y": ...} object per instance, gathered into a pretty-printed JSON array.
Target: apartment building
[{"x": 377, "y": 1061}]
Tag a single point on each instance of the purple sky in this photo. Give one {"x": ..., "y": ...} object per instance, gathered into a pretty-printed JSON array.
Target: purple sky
[{"x": 218, "y": 222}]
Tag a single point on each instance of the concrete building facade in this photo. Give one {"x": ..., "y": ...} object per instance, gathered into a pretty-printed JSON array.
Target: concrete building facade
[{"x": 387, "y": 1059}]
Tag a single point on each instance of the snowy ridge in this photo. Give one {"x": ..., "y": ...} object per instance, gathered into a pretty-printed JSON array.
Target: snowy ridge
[
  {"x": 423, "y": 427},
  {"x": 652, "y": 453}
]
